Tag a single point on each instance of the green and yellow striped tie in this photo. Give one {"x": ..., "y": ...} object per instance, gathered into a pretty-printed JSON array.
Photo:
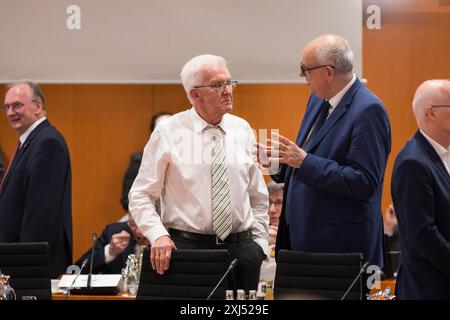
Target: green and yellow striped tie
[{"x": 220, "y": 186}]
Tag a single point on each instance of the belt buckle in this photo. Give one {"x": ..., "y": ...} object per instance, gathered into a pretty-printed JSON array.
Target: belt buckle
[{"x": 219, "y": 241}]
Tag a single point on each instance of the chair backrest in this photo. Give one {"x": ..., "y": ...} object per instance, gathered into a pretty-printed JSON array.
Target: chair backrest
[
  {"x": 306, "y": 275},
  {"x": 192, "y": 274},
  {"x": 28, "y": 266}
]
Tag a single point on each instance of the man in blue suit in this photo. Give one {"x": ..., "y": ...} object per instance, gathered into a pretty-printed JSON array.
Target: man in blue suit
[
  {"x": 421, "y": 195},
  {"x": 334, "y": 173},
  {"x": 35, "y": 193}
]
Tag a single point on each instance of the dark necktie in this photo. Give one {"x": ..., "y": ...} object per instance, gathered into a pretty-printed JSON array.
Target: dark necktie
[
  {"x": 323, "y": 114},
  {"x": 9, "y": 165}
]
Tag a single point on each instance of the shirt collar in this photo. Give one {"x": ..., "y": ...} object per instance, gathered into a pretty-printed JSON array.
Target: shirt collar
[
  {"x": 200, "y": 124},
  {"x": 23, "y": 137},
  {"x": 441, "y": 151},
  {"x": 334, "y": 101}
]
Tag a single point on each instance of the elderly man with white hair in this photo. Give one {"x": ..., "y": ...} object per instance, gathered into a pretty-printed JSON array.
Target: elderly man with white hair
[
  {"x": 201, "y": 163},
  {"x": 421, "y": 195}
]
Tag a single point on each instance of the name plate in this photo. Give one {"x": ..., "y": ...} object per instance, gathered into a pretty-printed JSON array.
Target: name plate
[{"x": 97, "y": 281}]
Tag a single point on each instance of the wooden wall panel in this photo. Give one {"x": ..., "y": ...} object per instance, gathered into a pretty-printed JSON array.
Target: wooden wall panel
[
  {"x": 411, "y": 47},
  {"x": 111, "y": 122}
]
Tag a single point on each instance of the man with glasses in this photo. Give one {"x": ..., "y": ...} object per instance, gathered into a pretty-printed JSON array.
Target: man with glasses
[
  {"x": 35, "y": 192},
  {"x": 421, "y": 195},
  {"x": 334, "y": 172},
  {"x": 117, "y": 241},
  {"x": 201, "y": 162}
]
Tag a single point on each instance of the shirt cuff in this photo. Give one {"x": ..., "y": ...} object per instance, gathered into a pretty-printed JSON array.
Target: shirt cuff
[{"x": 108, "y": 257}]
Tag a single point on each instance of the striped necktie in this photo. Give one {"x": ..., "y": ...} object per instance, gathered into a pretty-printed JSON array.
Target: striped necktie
[{"x": 220, "y": 186}]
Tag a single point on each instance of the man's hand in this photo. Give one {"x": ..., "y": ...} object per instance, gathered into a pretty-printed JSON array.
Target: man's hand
[
  {"x": 288, "y": 152},
  {"x": 119, "y": 242},
  {"x": 161, "y": 253}
]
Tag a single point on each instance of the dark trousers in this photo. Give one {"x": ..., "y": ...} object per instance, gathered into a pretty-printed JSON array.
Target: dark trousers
[{"x": 248, "y": 252}]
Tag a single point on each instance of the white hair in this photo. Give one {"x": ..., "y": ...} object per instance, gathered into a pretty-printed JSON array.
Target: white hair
[{"x": 192, "y": 69}]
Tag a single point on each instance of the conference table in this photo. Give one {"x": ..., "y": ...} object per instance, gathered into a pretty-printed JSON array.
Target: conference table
[
  {"x": 60, "y": 296},
  {"x": 383, "y": 284}
]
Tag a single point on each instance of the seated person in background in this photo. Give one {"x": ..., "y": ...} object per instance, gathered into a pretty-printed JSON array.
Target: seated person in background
[
  {"x": 117, "y": 241},
  {"x": 391, "y": 243},
  {"x": 136, "y": 159},
  {"x": 275, "y": 204}
]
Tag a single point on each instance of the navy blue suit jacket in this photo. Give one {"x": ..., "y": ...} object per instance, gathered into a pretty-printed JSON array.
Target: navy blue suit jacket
[
  {"x": 421, "y": 195},
  {"x": 114, "y": 267},
  {"x": 35, "y": 202},
  {"x": 332, "y": 203}
]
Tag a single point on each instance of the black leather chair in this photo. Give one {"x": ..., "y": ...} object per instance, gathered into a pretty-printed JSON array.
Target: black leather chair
[
  {"x": 192, "y": 274},
  {"x": 311, "y": 276},
  {"x": 28, "y": 266}
]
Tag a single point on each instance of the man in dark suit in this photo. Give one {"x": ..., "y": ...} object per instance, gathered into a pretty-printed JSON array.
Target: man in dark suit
[
  {"x": 117, "y": 241},
  {"x": 135, "y": 163},
  {"x": 35, "y": 193},
  {"x": 334, "y": 172},
  {"x": 421, "y": 195}
]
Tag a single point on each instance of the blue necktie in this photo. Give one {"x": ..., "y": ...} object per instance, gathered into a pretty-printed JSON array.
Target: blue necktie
[{"x": 322, "y": 116}]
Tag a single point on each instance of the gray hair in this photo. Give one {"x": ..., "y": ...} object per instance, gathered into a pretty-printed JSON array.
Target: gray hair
[
  {"x": 336, "y": 51},
  {"x": 192, "y": 69},
  {"x": 36, "y": 92},
  {"x": 273, "y": 187}
]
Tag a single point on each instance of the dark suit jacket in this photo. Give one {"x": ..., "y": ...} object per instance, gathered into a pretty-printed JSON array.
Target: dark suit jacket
[
  {"x": 421, "y": 196},
  {"x": 2, "y": 167},
  {"x": 115, "y": 266},
  {"x": 332, "y": 203},
  {"x": 128, "y": 179},
  {"x": 35, "y": 203}
]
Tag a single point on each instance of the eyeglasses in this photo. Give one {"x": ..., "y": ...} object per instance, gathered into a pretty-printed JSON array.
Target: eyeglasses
[
  {"x": 444, "y": 106},
  {"x": 16, "y": 105},
  {"x": 219, "y": 87},
  {"x": 304, "y": 69},
  {"x": 276, "y": 203}
]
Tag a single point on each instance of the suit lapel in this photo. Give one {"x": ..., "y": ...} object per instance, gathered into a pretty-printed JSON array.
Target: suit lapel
[
  {"x": 310, "y": 117},
  {"x": 23, "y": 149},
  {"x": 337, "y": 114},
  {"x": 434, "y": 157}
]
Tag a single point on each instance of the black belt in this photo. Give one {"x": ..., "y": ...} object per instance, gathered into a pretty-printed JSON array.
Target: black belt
[{"x": 211, "y": 238}]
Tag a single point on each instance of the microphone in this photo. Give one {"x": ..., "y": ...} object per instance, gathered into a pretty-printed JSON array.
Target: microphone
[
  {"x": 94, "y": 240},
  {"x": 360, "y": 273},
  {"x": 83, "y": 265},
  {"x": 232, "y": 265}
]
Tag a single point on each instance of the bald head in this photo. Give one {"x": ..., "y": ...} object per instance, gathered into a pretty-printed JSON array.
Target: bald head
[
  {"x": 431, "y": 106},
  {"x": 430, "y": 93},
  {"x": 333, "y": 50}
]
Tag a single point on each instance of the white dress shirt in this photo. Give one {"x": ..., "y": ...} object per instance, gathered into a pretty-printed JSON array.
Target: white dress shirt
[
  {"x": 443, "y": 153},
  {"x": 176, "y": 166},
  {"x": 30, "y": 129}
]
